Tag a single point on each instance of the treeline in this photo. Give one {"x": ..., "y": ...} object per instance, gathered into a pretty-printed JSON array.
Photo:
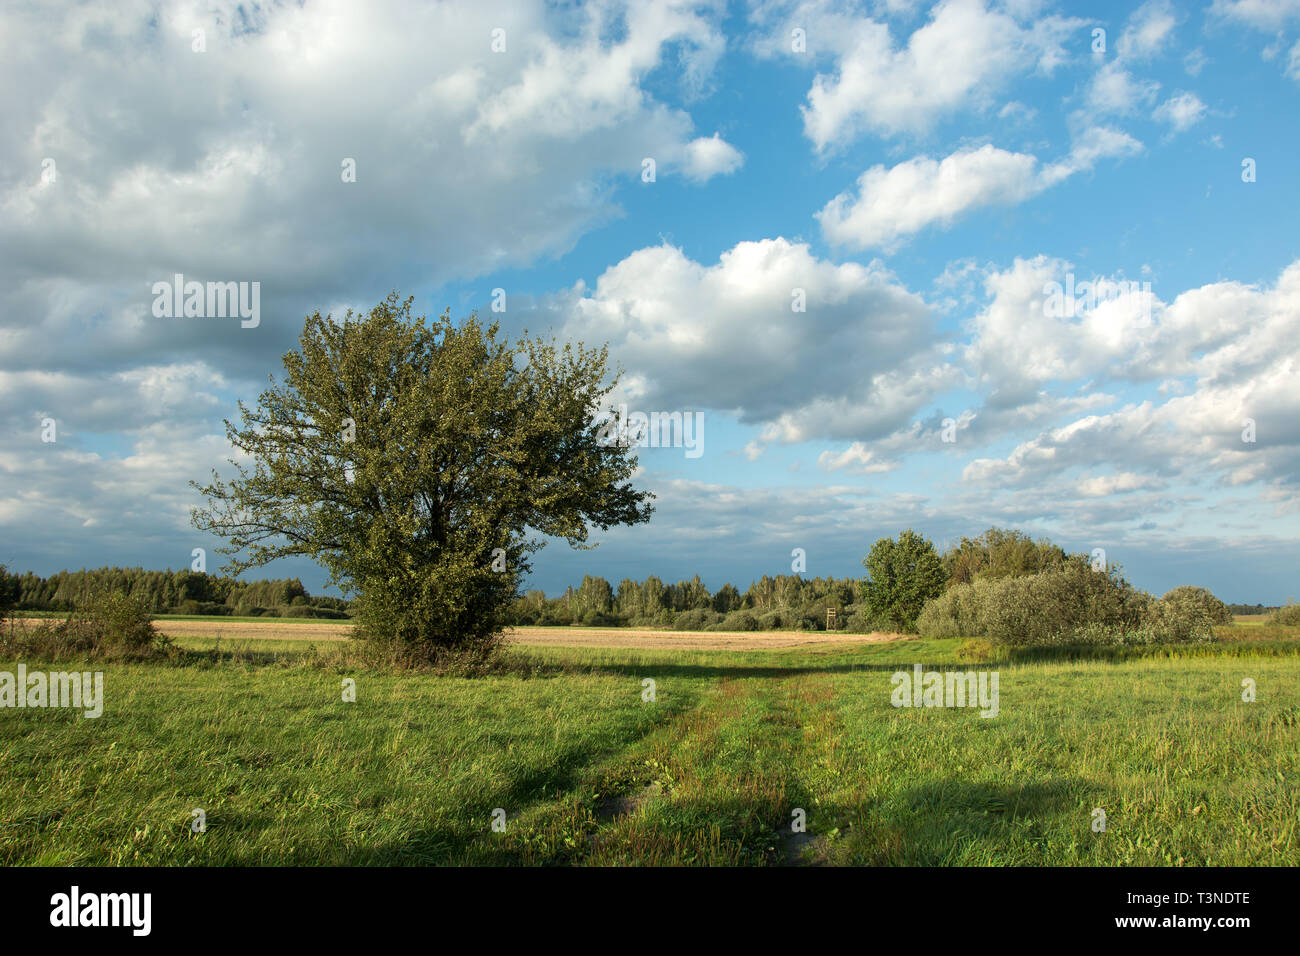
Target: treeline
[
  {"x": 168, "y": 592},
  {"x": 1251, "y": 609},
  {"x": 780, "y": 602},
  {"x": 792, "y": 602},
  {"x": 1001, "y": 585}
]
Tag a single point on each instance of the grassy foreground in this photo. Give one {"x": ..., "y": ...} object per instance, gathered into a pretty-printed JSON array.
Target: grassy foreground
[{"x": 710, "y": 772}]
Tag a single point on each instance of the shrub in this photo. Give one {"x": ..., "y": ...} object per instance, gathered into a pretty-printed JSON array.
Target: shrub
[
  {"x": 555, "y": 617},
  {"x": 525, "y": 616},
  {"x": 958, "y": 612},
  {"x": 696, "y": 619},
  {"x": 110, "y": 624},
  {"x": 193, "y": 607},
  {"x": 810, "y": 621},
  {"x": 1187, "y": 597},
  {"x": 333, "y": 603},
  {"x": 305, "y": 610},
  {"x": 1072, "y": 605},
  {"x": 1156, "y": 629},
  {"x": 776, "y": 620},
  {"x": 117, "y": 621},
  {"x": 740, "y": 621},
  {"x": 862, "y": 621},
  {"x": 1047, "y": 608},
  {"x": 1286, "y": 616},
  {"x": 1181, "y": 619}
]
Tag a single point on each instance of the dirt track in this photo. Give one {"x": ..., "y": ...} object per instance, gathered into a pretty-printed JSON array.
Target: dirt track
[{"x": 321, "y": 631}]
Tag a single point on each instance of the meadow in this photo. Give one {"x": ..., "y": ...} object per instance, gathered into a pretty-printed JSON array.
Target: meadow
[{"x": 562, "y": 752}]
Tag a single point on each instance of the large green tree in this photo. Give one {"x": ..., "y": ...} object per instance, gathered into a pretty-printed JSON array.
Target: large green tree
[
  {"x": 419, "y": 462},
  {"x": 902, "y": 576}
]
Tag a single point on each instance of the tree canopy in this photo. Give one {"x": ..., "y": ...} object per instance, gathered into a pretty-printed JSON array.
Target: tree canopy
[
  {"x": 903, "y": 575},
  {"x": 418, "y": 462}
]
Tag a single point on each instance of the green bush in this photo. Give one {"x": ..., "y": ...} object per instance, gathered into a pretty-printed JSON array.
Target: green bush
[
  {"x": 1187, "y": 598},
  {"x": 523, "y": 614},
  {"x": 1286, "y": 616},
  {"x": 862, "y": 621},
  {"x": 1047, "y": 608},
  {"x": 740, "y": 621},
  {"x": 122, "y": 620},
  {"x": 333, "y": 603},
  {"x": 696, "y": 619},
  {"x": 557, "y": 617},
  {"x": 809, "y": 621},
  {"x": 306, "y": 610},
  {"x": 1071, "y": 605},
  {"x": 774, "y": 621},
  {"x": 193, "y": 607},
  {"x": 1157, "y": 628},
  {"x": 1183, "y": 618},
  {"x": 110, "y": 624},
  {"x": 958, "y": 612}
]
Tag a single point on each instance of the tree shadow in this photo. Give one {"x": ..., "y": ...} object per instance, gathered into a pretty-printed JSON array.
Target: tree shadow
[
  {"x": 947, "y": 822},
  {"x": 729, "y": 671},
  {"x": 450, "y": 842}
]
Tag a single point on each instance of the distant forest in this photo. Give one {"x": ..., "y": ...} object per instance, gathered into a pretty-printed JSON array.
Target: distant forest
[
  {"x": 781, "y": 602},
  {"x": 1252, "y": 609},
  {"x": 785, "y": 601},
  {"x": 170, "y": 592}
]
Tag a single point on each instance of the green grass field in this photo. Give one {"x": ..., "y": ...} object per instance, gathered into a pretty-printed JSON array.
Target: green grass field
[{"x": 586, "y": 772}]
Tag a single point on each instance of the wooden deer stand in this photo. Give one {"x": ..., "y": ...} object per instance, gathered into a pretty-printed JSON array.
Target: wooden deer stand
[{"x": 830, "y": 618}]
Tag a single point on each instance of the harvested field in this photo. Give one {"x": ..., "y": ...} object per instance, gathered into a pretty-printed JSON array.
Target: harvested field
[
  {"x": 217, "y": 627},
  {"x": 690, "y": 640},
  {"x": 273, "y": 630},
  {"x": 323, "y": 631}
]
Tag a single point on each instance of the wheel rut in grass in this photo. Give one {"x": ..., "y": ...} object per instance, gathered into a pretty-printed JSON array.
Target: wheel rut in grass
[
  {"x": 720, "y": 783},
  {"x": 812, "y": 698}
]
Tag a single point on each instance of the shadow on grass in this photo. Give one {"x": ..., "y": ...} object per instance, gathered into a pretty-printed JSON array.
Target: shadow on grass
[
  {"x": 960, "y": 822},
  {"x": 566, "y": 777}
]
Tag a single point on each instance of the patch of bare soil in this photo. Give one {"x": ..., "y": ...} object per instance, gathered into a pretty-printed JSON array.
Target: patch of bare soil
[
  {"x": 613, "y": 807},
  {"x": 799, "y": 849}
]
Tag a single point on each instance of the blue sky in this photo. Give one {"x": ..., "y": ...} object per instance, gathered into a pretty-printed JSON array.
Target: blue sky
[{"x": 921, "y": 172}]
